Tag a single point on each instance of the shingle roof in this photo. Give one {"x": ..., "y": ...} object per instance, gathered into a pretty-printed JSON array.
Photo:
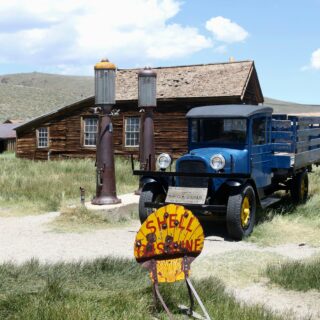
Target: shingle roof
[
  {"x": 7, "y": 131},
  {"x": 206, "y": 80}
]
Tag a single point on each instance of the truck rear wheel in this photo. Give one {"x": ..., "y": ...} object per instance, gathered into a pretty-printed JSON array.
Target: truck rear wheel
[
  {"x": 300, "y": 187},
  {"x": 241, "y": 211},
  {"x": 151, "y": 192}
]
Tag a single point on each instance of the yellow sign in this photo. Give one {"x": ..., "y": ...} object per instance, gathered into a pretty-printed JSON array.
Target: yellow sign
[{"x": 172, "y": 237}]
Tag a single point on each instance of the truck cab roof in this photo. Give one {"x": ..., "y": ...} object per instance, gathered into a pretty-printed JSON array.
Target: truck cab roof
[{"x": 228, "y": 111}]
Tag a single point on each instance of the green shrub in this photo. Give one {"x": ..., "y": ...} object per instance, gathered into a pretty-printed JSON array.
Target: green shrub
[{"x": 297, "y": 275}]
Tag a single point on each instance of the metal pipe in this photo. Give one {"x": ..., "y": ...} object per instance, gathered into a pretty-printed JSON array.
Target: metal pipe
[{"x": 82, "y": 196}]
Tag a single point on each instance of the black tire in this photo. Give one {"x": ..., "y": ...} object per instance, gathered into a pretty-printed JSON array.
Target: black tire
[
  {"x": 240, "y": 223},
  {"x": 299, "y": 188},
  {"x": 151, "y": 192}
]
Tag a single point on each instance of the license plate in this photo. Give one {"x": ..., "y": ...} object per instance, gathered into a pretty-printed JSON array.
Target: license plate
[{"x": 186, "y": 195}]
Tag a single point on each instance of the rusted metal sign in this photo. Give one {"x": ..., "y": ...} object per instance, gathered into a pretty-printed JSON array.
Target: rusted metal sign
[
  {"x": 166, "y": 244},
  {"x": 186, "y": 195}
]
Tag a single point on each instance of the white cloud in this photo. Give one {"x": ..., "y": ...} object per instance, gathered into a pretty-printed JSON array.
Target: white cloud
[
  {"x": 315, "y": 59},
  {"x": 225, "y": 30},
  {"x": 73, "y": 34}
]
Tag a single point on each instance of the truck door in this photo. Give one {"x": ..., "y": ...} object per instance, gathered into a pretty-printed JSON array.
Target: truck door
[{"x": 261, "y": 151}]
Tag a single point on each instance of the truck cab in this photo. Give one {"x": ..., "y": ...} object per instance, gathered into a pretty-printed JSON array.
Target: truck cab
[
  {"x": 233, "y": 139},
  {"x": 230, "y": 169}
]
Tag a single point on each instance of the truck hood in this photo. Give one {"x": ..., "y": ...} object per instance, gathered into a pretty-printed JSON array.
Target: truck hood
[{"x": 238, "y": 157}]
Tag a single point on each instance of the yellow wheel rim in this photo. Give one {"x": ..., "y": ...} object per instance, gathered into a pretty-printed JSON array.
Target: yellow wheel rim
[{"x": 245, "y": 212}]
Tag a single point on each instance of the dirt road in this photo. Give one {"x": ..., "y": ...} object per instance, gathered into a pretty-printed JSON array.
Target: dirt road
[{"x": 239, "y": 264}]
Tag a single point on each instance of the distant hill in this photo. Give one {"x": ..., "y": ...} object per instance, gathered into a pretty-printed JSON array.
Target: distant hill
[
  {"x": 291, "y": 107},
  {"x": 28, "y": 95}
]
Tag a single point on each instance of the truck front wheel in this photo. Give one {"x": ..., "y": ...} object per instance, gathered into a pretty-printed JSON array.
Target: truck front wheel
[
  {"x": 300, "y": 187},
  {"x": 241, "y": 211},
  {"x": 151, "y": 192}
]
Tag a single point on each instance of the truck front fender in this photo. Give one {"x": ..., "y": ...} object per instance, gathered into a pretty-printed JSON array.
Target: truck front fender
[
  {"x": 233, "y": 185},
  {"x": 159, "y": 181}
]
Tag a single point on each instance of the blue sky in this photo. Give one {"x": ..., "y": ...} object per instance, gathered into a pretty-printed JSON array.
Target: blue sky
[{"x": 69, "y": 36}]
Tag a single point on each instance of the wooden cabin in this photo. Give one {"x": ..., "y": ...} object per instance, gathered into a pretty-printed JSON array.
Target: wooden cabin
[
  {"x": 8, "y": 136},
  {"x": 71, "y": 131}
]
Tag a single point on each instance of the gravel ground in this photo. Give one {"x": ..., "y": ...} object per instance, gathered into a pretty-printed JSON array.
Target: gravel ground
[{"x": 23, "y": 238}]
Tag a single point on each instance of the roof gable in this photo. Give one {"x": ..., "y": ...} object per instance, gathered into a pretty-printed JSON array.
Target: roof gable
[{"x": 195, "y": 81}]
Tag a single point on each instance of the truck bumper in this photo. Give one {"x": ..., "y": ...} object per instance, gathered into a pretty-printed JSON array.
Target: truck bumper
[{"x": 205, "y": 209}]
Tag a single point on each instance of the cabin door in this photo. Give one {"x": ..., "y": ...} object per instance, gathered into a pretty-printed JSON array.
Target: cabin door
[
  {"x": 2, "y": 146},
  {"x": 261, "y": 156}
]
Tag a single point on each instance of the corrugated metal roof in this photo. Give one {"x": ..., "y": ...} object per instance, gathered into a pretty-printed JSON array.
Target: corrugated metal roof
[{"x": 7, "y": 130}]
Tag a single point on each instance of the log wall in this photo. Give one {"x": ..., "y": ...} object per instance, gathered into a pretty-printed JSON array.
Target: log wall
[{"x": 65, "y": 134}]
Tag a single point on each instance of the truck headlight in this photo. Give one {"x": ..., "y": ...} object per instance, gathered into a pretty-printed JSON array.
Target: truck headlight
[
  {"x": 217, "y": 162},
  {"x": 164, "y": 161}
]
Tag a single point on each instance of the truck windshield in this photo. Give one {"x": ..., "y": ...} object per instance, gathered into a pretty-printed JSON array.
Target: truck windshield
[{"x": 219, "y": 131}]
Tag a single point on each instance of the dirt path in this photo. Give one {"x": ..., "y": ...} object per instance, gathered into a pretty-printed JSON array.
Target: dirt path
[{"x": 238, "y": 264}]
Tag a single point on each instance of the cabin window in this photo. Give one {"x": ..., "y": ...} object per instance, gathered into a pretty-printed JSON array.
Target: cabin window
[
  {"x": 259, "y": 131},
  {"x": 43, "y": 137},
  {"x": 132, "y": 131},
  {"x": 90, "y": 129}
]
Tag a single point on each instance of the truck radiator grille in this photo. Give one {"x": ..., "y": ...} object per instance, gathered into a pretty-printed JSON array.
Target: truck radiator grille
[{"x": 194, "y": 167}]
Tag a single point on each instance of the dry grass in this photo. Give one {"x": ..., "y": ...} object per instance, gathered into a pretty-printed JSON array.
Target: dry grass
[
  {"x": 287, "y": 223},
  {"x": 236, "y": 268},
  {"x": 81, "y": 219},
  {"x": 296, "y": 275},
  {"x": 25, "y": 96},
  {"x": 105, "y": 289},
  {"x": 33, "y": 187}
]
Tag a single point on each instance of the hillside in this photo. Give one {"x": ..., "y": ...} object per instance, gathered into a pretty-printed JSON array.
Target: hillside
[
  {"x": 25, "y": 96},
  {"x": 291, "y": 107},
  {"x": 28, "y": 95}
]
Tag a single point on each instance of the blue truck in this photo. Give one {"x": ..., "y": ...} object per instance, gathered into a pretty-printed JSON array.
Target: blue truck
[{"x": 238, "y": 157}]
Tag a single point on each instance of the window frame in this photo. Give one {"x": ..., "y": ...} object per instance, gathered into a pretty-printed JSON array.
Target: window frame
[
  {"x": 38, "y": 138},
  {"x": 83, "y": 132},
  {"x": 264, "y": 119},
  {"x": 125, "y": 118}
]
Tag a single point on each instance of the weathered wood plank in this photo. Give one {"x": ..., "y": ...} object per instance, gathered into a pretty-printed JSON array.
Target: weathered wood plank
[{"x": 281, "y": 124}]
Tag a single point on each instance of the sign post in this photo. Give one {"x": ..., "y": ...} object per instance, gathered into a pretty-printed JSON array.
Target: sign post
[{"x": 166, "y": 245}]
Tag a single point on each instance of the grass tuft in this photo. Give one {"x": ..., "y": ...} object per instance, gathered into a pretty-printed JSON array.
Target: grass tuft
[
  {"x": 296, "y": 275},
  {"x": 106, "y": 288},
  {"x": 287, "y": 223},
  {"x": 31, "y": 187},
  {"x": 81, "y": 219}
]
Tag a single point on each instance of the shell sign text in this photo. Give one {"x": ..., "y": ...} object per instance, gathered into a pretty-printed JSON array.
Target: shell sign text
[{"x": 169, "y": 235}]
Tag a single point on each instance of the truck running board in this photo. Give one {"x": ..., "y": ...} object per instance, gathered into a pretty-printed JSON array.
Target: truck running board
[{"x": 267, "y": 202}]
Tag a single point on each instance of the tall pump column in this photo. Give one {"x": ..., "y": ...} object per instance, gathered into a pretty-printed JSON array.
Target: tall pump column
[
  {"x": 105, "y": 75},
  {"x": 147, "y": 85}
]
